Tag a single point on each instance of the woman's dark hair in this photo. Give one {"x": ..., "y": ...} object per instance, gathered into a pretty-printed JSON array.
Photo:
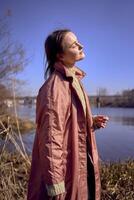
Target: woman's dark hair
[{"x": 53, "y": 46}]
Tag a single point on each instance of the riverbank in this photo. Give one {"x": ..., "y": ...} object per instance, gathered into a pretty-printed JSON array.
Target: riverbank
[
  {"x": 117, "y": 178},
  {"x": 113, "y": 101},
  {"x": 10, "y": 123}
]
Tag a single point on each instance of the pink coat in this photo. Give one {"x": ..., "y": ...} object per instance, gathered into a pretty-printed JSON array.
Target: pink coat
[{"x": 64, "y": 151}]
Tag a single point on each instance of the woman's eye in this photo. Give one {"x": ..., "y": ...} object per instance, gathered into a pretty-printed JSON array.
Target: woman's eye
[{"x": 74, "y": 45}]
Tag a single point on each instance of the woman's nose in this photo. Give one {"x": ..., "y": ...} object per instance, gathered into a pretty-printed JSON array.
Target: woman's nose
[{"x": 80, "y": 45}]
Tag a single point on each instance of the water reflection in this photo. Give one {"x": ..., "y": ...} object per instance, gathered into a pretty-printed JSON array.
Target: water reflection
[
  {"x": 124, "y": 116},
  {"x": 114, "y": 142},
  {"x": 129, "y": 121}
]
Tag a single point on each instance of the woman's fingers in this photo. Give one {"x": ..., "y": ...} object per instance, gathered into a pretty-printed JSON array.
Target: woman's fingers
[
  {"x": 101, "y": 121},
  {"x": 103, "y": 125},
  {"x": 102, "y": 118},
  {"x": 60, "y": 197}
]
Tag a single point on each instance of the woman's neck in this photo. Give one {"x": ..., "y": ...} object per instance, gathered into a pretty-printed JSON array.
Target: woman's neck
[{"x": 68, "y": 65}]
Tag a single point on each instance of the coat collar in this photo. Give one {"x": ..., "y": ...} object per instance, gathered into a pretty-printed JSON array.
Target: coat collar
[
  {"x": 68, "y": 73},
  {"x": 64, "y": 70}
]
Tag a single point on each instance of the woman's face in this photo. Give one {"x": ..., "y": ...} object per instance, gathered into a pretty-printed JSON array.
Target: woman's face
[{"x": 73, "y": 50}]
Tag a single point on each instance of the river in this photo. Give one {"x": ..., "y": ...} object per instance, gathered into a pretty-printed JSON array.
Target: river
[{"x": 115, "y": 142}]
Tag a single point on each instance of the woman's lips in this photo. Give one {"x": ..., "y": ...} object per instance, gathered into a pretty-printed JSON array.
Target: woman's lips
[{"x": 81, "y": 52}]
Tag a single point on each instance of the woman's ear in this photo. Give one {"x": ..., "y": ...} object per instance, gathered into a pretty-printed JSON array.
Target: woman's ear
[{"x": 60, "y": 57}]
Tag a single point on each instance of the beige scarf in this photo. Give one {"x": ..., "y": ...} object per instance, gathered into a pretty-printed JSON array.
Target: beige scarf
[{"x": 78, "y": 87}]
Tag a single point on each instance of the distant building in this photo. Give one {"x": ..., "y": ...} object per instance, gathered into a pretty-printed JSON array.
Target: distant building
[{"x": 98, "y": 102}]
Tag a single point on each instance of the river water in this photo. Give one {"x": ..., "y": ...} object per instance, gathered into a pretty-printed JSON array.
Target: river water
[{"x": 115, "y": 142}]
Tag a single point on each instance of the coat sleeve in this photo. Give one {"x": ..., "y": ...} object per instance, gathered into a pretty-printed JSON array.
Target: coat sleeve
[{"x": 51, "y": 126}]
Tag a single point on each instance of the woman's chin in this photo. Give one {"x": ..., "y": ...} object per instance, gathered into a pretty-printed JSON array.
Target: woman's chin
[{"x": 82, "y": 56}]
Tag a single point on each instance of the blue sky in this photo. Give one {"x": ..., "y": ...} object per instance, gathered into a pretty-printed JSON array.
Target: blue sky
[{"x": 104, "y": 27}]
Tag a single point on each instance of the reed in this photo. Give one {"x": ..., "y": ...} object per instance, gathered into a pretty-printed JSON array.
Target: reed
[
  {"x": 14, "y": 167},
  {"x": 118, "y": 180},
  {"x": 14, "y": 171}
]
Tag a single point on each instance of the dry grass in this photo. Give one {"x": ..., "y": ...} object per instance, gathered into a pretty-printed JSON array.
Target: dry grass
[
  {"x": 118, "y": 180},
  {"x": 14, "y": 171},
  {"x": 14, "y": 167},
  {"x": 7, "y": 121}
]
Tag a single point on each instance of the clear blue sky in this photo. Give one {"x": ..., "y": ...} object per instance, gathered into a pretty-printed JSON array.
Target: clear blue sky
[{"x": 104, "y": 27}]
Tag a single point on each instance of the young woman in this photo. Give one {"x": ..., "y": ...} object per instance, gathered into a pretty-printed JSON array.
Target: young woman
[{"x": 65, "y": 158}]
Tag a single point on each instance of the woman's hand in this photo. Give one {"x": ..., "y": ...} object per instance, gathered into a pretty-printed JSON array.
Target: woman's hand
[
  {"x": 100, "y": 121},
  {"x": 58, "y": 197}
]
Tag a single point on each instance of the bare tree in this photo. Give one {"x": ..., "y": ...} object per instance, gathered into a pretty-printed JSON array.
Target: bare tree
[
  {"x": 12, "y": 60},
  {"x": 12, "y": 55}
]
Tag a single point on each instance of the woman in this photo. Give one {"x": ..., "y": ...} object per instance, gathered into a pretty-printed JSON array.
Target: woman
[{"x": 65, "y": 158}]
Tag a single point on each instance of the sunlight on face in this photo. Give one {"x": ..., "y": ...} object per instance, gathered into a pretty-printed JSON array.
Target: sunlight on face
[{"x": 73, "y": 50}]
